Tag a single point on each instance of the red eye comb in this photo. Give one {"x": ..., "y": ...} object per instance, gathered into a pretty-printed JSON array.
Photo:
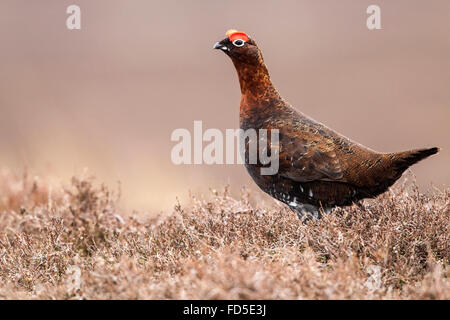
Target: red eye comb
[{"x": 234, "y": 35}]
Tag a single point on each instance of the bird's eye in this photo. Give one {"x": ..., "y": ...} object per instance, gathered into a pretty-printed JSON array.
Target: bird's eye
[{"x": 238, "y": 43}]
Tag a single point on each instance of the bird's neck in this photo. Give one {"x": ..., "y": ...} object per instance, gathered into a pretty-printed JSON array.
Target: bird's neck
[{"x": 256, "y": 86}]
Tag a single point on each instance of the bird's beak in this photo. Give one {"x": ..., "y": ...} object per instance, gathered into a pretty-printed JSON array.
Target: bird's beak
[{"x": 220, "y": 46}]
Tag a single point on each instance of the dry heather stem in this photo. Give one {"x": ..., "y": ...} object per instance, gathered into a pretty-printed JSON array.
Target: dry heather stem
[{"x": 72, "y": 243}]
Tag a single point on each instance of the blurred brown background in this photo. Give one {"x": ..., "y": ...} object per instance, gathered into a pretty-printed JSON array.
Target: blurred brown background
[{"x": 107, "y": 97}]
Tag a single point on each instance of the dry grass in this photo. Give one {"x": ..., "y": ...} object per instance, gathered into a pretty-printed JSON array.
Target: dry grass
[{"x": 394, "y": 247}]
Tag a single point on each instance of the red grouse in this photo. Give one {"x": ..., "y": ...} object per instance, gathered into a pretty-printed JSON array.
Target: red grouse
[{"x": 318, "y": 167}]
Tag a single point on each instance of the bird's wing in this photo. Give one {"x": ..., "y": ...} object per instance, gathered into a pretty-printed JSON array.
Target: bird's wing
[{"x": 308, "y": 157}]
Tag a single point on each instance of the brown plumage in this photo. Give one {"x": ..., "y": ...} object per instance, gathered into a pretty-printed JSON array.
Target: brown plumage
[{"x": 318, "y": 167}]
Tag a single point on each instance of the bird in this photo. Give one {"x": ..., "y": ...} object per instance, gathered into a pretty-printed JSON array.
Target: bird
[{"x": 319, "y": 169}]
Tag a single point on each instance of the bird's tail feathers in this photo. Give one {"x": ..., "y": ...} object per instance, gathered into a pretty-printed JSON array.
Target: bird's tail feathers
[{"x": 403, "y": 160}]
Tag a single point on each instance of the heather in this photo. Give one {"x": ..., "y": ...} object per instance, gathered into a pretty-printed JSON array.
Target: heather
[{"x": 71, "y": 241}]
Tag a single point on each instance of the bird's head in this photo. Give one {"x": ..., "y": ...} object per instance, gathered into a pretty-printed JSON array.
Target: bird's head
[
  {"x": 253, "y": 75},
  {"x": 240, "y": 48}
]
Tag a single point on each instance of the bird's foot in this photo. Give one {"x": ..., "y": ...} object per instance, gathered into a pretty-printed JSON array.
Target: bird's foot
[{"x": 309, "y": 211}]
